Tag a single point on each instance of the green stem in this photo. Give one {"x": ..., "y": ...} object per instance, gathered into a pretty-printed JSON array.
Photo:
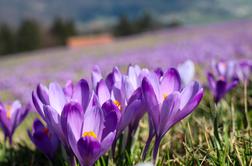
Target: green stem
[{"x": 246, "y": 103}]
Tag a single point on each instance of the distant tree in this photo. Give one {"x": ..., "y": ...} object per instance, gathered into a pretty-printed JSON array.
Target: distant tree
[
  {"x": 7, "y": 40},
  {"x": 124, "y": 27},
  {"x": 143, "y": 23},
  {"x": 28, "y": 36},
  {"x": 62, "y": 30}
]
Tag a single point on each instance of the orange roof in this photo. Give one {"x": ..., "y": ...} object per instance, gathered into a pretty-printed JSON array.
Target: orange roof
[{"x": 76, "y": 42}]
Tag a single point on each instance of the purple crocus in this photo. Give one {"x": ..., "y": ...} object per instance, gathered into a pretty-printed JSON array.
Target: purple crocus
[
  {"x": 244, "y": 70},
  {"x": 125, "y": 92},
  {"x": 167, "y": 103},
  {"x": 223, "y": 81},
  {"x": 49, "y": 102},
  {"x": 11, "y": 115},
  {"x": 45, "y": 140},
  {"x": 89, "y": 132}
]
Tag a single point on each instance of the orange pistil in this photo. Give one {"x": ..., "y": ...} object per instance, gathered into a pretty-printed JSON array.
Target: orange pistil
[{"x": 8, "y": 111}]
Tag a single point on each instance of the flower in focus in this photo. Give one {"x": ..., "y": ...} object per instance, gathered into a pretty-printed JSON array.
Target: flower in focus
[
  {"x": 186, "y": 71},
  {"x": 11, "y": 116},
  {"x": 89, "y": 132},
  {"x": 45, "y": 140},
  {"x": 49, "y": 102},
  {"x": 167, "y": 103}
]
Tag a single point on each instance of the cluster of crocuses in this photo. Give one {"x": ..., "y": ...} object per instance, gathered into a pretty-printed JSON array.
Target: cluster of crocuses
[
  {"x": 225, "y": 75},
  {"x": 88, "y": 120}
]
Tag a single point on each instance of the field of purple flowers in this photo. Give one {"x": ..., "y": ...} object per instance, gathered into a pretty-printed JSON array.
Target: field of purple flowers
[{"x": 125, "y": 103}]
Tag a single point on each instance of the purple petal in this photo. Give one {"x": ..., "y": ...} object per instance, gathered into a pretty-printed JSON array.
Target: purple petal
[
  {"x": 151, "y": 101},
  {"x": 56, "y": 97},
  {"x": 42, "y": 93},
  {"x": 94, "y": 121},
  {"x": 102, "y": 92},
  {"x": 168, "y": 112},
  {"x": 90, "y": 149},
  {"x": 170, "y": 82},
  {"x": 81, "y": 93}
]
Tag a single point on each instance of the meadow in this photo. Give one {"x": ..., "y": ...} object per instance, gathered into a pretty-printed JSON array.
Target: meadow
[{"x": 218, "y": 115}]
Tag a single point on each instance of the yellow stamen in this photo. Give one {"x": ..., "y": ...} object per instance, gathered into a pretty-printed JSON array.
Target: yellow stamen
[
  {"x": 89, "y": 134},
  {"x": 165, "y": 95},
  {"x": 8, "y": 111},
  {"x": 118, "y": 104}
]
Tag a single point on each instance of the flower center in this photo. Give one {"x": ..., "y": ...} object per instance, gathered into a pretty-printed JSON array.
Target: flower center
[
  {"x": 89, "y": 134},
  {"x": 8, "y": 111},
  {"x": 118, "y": 104},
  {"x": 46, "y": 131},
  {"x": 165, "y": 95}
]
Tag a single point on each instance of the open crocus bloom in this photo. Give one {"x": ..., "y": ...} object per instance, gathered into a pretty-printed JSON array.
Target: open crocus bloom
[
  {"x": 45, "y": 140},
  {"x": 50, "y": 102},
  {"x": 90, "y": 133},
  {"x": 167, "y": 104},
  {"x": 11, "y": 116}
]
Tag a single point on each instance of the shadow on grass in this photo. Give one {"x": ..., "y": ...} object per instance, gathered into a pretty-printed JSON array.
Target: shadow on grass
[{"x": 22, "y": 155}]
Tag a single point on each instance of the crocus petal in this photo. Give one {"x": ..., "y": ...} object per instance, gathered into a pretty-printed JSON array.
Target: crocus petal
[
  {"x": 186, "y": 71},
  {"x": 68, "y": 89},
  {"x": 42, "y": 93},
  {"x": 53, "y": 122},
  {"x": 96, "y": 76},
  {"x": 111, "y": 118},
  {"x": 129, "y": 114},
  {"x": 89, "y": 149},
  {"x": 151, "y": 101},
  {"x": 110, "y": 81},
  {"x": 71, "y": 122},
  {"x": 81, "y": 93},
  {"x": 107, "y": 142},
  {"x": 211, "y": 81},
  {"x": 94, "y": 121},
  {"x": 38, "y": 105},
  {"x": 170, "y": 82},
  {"x": 102, "y": 92},
  {"x": 232, "y": 84},
  {"x": 168, "y": 111},
  {"x": 56, "y": 97},
  {"x": 220, "y": 90}
]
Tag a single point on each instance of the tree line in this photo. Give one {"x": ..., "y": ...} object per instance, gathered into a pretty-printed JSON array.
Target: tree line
[{"x": 29, "y": 35}]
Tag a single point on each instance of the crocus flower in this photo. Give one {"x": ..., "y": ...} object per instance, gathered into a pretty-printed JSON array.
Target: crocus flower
[
  {"x": 223, "y": 81},
  {"x": 186, "y": 71},
  {"x": 49, "y": 103},
  {"x": 11, "y": 116},
  {"x": 45, "y": 140},
  {"x": 125, "y": 92},
  {"x": 244, "y": 70},
  {"x": 89, "y": 132},
  {"x": 168, "y": 103}
]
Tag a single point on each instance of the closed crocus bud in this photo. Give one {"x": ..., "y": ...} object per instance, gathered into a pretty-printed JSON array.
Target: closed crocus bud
[
  {"x": 167, "y": 103},
  {"x": 44, "y": 140}
]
